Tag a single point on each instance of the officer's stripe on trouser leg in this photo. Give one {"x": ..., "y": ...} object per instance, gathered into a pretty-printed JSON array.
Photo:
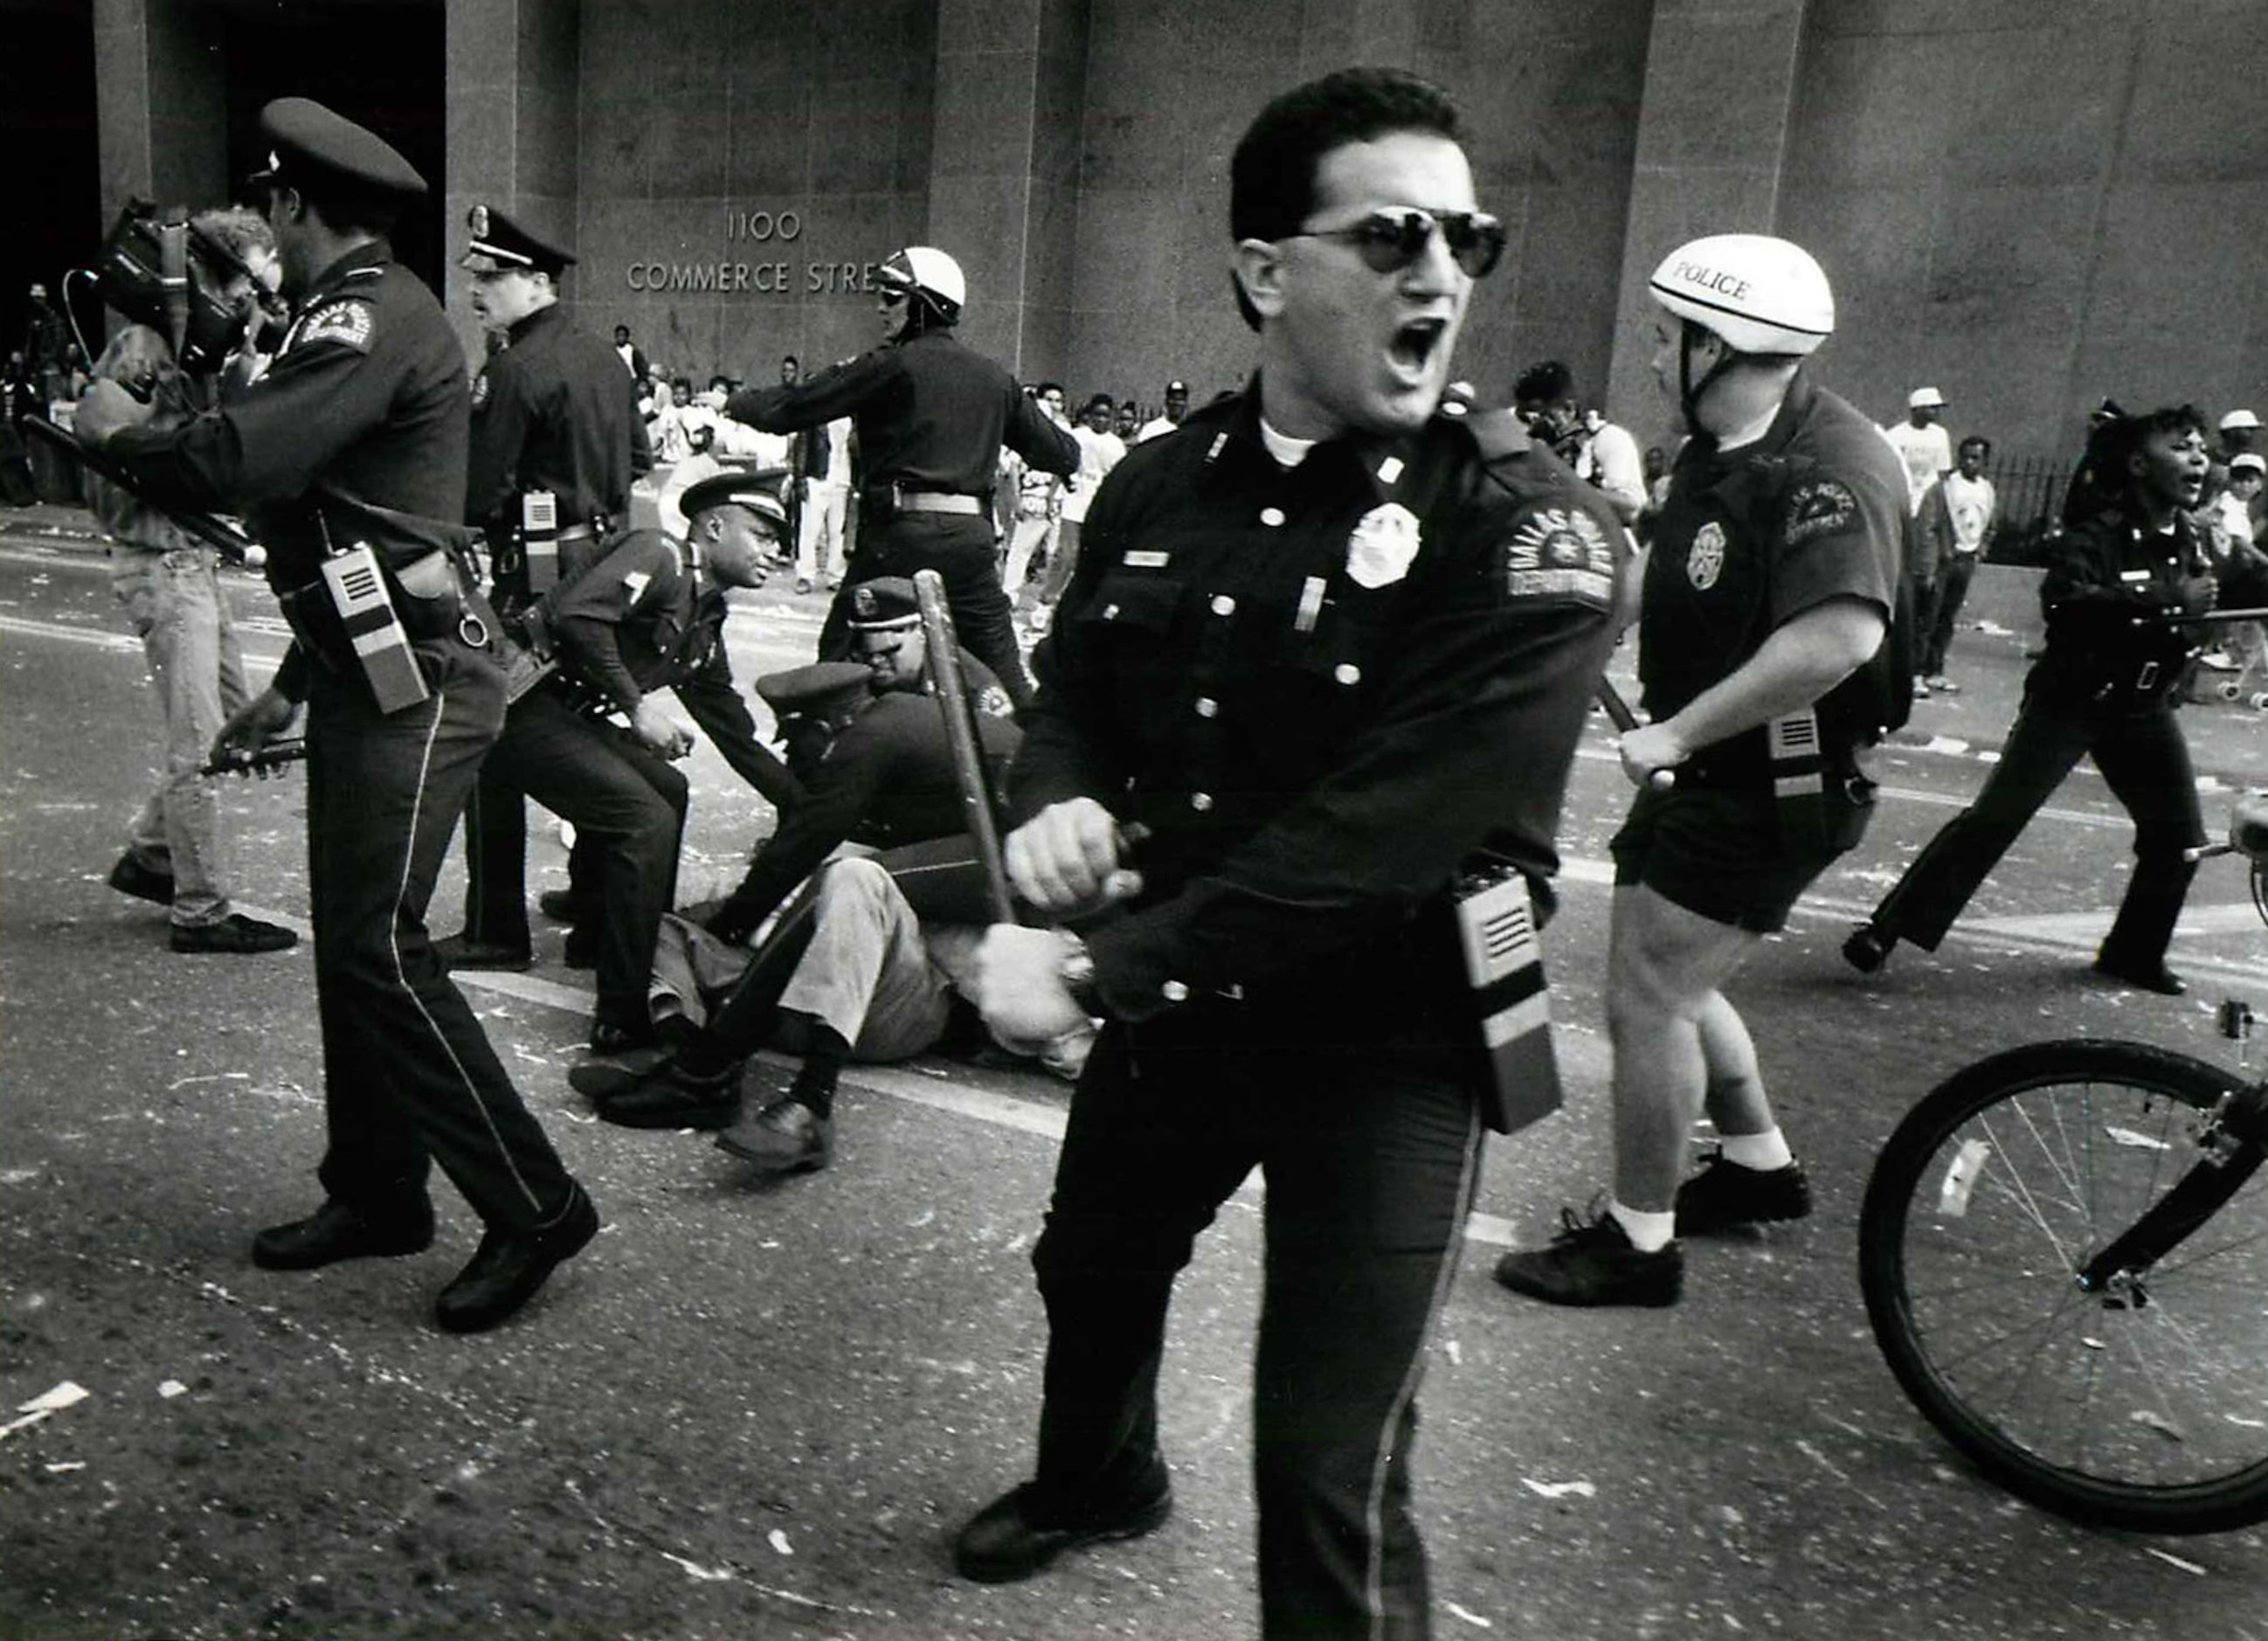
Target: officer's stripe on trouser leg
[
  {"x": 1374, "y": 1506},
  {"x": 402, "y": 975}
]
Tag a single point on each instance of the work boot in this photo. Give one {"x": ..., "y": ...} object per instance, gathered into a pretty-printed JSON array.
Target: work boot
[
  {"x": 338, "y": 1231},
  {"x": 1590, "y": 1262},
  {"x": 510, "y": 1265},
  {"x": 786, "y": 1136},
  {"x": 1725, "y": 1193}
]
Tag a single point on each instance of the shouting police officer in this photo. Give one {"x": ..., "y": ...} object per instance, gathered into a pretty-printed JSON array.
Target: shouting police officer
[
  {"x": 357, "y": 435},
  {"x": 930, "y": 417},
  {"x": 1333, "y": 651},
  {"x": 1768, "y": 591}
]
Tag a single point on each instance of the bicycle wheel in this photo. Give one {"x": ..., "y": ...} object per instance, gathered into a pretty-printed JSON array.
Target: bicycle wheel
[{"x": 2143, "y": 1406}]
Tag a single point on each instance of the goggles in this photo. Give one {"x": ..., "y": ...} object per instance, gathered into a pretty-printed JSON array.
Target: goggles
[{"x": 1390, "y": 238}]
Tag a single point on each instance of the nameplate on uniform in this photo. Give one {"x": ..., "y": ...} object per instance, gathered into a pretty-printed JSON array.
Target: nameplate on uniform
[
  {"x": 1145, "y": 560},
  {"x": 1512, "y": 1006},
  {"x": 1560, "y": 553},
  {"x": 2133, "y": 575}
]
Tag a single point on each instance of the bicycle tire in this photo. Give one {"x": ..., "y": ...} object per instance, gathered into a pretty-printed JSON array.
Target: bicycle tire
[{"x": 2144, "y": 1409}]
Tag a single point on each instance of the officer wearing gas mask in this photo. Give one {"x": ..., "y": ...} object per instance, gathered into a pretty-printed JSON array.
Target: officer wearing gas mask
[
  {"x": 348, "y": 458},
  {"x": 930, "y": 417}
]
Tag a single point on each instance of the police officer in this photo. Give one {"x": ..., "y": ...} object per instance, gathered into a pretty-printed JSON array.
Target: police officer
[
  {"x": 1768, "y": 593},
  {"x": 358, "y": 434},
  {"x": 931, "y": 416},
  {"x": 647, "y": 616},
  {"x": 2105, "y": 687},
  {"x": 557, "y": 443},
  {"x": 1332, "y": 649}
]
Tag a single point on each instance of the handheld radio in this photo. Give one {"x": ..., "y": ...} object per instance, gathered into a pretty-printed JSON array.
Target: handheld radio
[
  {"x": 1504, "y": 962},
  {"x": 539, "y": 539},
  {"x": 373, "y": 628}
]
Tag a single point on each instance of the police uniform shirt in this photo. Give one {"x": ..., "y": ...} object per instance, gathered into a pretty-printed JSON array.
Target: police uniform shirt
[
  {"x": 931, "y": 415},
  {"x": 1321, "y": 690},
  {"x": 886, "y": 780},
  {"x": 1750, "y": 539},
  {"x": 2104, "y": 573},
  {"x": 367, "y": 393},
  {"x": 554, "y": 411},
  {"x": 637, "y": 621}
]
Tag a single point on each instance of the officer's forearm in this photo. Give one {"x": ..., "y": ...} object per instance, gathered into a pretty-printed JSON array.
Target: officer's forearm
[{"x": 1800, "y": 663}]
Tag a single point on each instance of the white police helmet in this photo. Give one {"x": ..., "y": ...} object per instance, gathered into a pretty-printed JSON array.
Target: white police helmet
[
  {"x": 924, "y": 273},
  {"x": 1757, "y": 293},
  {"x": 2239, "y": 419}
]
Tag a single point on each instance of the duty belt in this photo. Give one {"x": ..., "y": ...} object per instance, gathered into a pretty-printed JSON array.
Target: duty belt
[{"x": 900, "y": 499}]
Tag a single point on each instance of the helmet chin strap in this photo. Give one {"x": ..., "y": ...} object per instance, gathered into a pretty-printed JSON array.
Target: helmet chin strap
[{"x": 1689, "y": 391}]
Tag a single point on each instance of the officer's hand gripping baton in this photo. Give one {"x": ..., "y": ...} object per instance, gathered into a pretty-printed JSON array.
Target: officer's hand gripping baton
[
  {"x": 1624, "y": 720},
  {"x": 943, "y": 662}
]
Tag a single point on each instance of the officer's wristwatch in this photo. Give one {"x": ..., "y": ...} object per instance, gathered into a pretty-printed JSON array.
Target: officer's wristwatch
[{"x": 1076, "y": 970}]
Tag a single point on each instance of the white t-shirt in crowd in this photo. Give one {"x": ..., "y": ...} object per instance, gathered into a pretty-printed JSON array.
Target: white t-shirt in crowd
[
  {"x": 1098, "y": 454},
  {"x": 1928, "y": 453},
  {"x": 1969, "y": 503}
]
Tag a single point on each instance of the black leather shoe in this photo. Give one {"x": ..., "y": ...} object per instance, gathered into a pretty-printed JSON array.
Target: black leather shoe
[
  {"x": 339, "y": 1231},
  {"x": 511, "y": 1265},
  {"x": 1869, "y": 948},
  {"x": 607, "y": 1037},
  {"x": 458, "y": 951},
  {"x": 562, "y": 905},
  {"x": 1016, "y": 1535},
  {"x": 129, "y": 876},
  {"x": 668, "y": 1101},
  {"x": 2150, "y": 977},
  {"x": 236, "y": 933},
  {"x": 786, "y": 1136}
]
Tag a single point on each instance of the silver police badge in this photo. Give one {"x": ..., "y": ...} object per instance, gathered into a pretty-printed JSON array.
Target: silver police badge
[
  {"x": 1706, "y": 560},
  {"x": 477, "y": 220},
  {"x": 1384, "y": 542}
]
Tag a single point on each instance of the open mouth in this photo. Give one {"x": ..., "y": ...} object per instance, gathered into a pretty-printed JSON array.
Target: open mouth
[{"x": 1414, "y": 343}]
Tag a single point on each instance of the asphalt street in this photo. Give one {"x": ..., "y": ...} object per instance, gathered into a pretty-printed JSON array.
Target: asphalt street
[{"x": 757, "y": 1411}]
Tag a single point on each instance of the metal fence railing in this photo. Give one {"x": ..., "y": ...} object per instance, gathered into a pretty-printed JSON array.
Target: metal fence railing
[{"x": 2030, "y": 489}]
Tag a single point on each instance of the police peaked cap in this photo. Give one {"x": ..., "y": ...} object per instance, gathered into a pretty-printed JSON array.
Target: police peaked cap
[
  {"x": 759, "y": 492},
  {"x": 881, "y": 605},
  {"x": 816, "y": 689},
  {"x": 501, "y": 244},
  {"x": 312, "y": 149}
]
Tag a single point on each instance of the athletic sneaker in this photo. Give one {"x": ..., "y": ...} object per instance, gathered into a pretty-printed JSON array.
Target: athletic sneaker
[
  {"x": 1725, "y": 1193},
  {"x": 1590, "y": 1262}
]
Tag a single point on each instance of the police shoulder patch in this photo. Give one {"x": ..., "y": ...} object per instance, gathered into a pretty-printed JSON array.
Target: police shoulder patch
[
  {"x": 1560, "y": 553},
  {"x": 992, "y": 701},
  {"x": 350, "y": 323},
  {"x": 1817, "y": 507}
]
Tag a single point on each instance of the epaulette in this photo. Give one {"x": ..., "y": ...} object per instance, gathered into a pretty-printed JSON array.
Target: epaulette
[{"x": 1498, "y": 434}]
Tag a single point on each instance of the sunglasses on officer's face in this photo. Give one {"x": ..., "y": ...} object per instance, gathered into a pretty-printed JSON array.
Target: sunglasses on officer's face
[{"x": 1390, "y": 238}]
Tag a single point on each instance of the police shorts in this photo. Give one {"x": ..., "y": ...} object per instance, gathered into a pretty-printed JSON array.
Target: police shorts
[{"x": 1723, "y": 854}]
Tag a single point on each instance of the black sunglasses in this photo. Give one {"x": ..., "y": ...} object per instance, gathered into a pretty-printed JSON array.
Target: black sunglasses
[{"x": 1391, "y": 239}]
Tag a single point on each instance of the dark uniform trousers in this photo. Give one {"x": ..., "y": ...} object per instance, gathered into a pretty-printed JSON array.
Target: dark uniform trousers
[
  {"x": 1370, "y": 1152},
  {"x": 2145, "y": 763},
  {"x": 411, "y": 1077},
  {"x": 959, "y": 548},
  {"x": 627, "y": 803}
]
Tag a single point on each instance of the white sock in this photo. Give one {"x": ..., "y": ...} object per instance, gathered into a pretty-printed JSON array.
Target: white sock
[
  {"x": 1763, "y": 1151},
  {"x": 1649, "y": 1233}
]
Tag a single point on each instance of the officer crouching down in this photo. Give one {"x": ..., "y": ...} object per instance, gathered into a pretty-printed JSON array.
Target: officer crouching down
[
  {"x": 348, "y": 457},
  {"x": 1332, "y": 649},
  {"x": 648, "y": 616}
]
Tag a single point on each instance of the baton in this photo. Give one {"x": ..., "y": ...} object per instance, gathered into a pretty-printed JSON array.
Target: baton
[
  {"x": 2209, "y": 616},
  {"x": 233, "y": 544},
  {"x": 274, "y": 755},
  {"x": 942, "y": 662},
  {"x": 1624, "y": 720}
]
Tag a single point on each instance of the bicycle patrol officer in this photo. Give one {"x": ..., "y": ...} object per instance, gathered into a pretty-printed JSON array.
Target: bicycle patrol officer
[
  {"x": 648, "y": 616},
  {"x": 366, "y": 408},
  {"x": 1330, "y": 646},
  {"x": 1767, "y": 595},
  {"x": 931, "y": 416}
]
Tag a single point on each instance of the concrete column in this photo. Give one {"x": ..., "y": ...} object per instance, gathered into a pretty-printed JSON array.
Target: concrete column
[
  {"x": 513, "y": 86},
  {"x": 1711, "y": 141},
  {"x": 1003, "y": 175},
  {"x": 162, "y": 109}
]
